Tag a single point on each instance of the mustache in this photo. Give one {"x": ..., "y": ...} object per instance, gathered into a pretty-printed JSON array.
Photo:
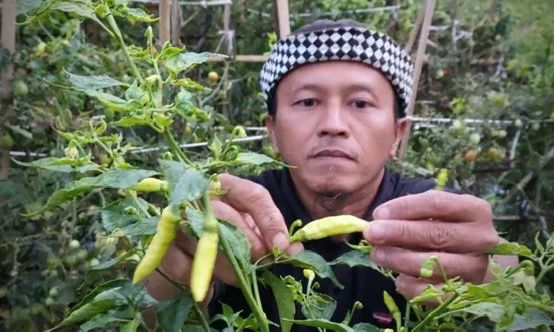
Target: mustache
[{"x": 332, "y": 150}]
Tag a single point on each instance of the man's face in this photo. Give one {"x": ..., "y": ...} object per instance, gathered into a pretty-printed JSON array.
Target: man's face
[{"x": 335, "y": 125}]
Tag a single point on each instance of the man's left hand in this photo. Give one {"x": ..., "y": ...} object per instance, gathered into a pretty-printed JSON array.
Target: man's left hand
[{"x": 458, "y": 229}]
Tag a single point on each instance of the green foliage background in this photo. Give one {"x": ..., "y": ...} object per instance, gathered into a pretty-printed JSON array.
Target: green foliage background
[{"x": 490, "y": 60}]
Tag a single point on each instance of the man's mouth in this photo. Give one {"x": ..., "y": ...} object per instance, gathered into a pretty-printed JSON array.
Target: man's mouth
[{"x": 332, "y": 153}]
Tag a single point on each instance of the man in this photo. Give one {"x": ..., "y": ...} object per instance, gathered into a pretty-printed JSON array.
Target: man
[{"x": 337, "y": 94}]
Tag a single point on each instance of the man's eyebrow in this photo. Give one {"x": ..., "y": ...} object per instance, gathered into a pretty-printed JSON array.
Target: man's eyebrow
[{"x": 362, "y": 87}]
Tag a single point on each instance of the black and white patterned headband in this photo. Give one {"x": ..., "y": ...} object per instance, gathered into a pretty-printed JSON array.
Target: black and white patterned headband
[{"x": 342, "y": 43}]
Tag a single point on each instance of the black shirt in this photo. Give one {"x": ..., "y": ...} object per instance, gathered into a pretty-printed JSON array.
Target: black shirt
[{"x": 360, "y": 283}]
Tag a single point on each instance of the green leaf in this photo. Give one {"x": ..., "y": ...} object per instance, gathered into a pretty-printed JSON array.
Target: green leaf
[
  {"x": 63, "y": 165},
  {"x": 110, "y": 101},
  {"x": 319, "y": 306},
  {"x": 185, "y": 184},
  {"x": 95, "y": 303},
  {"x": 101, "y": 321},
  {"x": 254, "y": 158},
  {"x": 309, "y": 259},
  {"x": 133, "y": 120},
  {"x": 172, "y": 317},
  {"x": 365, "y": 327},
  {"x": 118, "y": 179},
  {"x": 512, "y": 248},
  {"x": 324, "y": 324},
  {"x": 355, "y": 258},
  {"x": 240, "y": 245},
  {"x": 184, "y": 61},
  {"x": 28, "y": 6},
  {"x": 137, "y": 14},
  {"x": 531, "y": 319},
  {"x": 144, "y": 227},
  {"x": 115, "y": 216},
  {"x": 93, "y": 82},
  {"x": 195, "y": 219},
  {"x": 79, "y": 9},
  {"x": 284, "y": 298}
]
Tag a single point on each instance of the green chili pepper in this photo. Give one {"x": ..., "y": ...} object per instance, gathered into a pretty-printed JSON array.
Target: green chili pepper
[
  {"x": 205, "y": 255},
  {"x": 329, "y": 226},
  {"x": 426, "y": 270},
  {"x": 165, "y": 233},
  {"x": 391, "y": 305},
  {"x": 151, "y": 185}
]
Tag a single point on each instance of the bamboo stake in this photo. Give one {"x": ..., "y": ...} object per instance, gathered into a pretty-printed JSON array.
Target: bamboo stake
[
  {"x": 165, "y": 21},
  {"x": 283, "y": 18},
  {"x": 8, "y": 42},
  {"x": 429, "y": 8},
  {"x": 176, "y": 17}
]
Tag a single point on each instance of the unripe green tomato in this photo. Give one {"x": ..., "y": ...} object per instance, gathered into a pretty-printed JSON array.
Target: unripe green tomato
[
  {"x": 6, "y": 142},
  {"x": 94, "y": 262},
  {"x": 536, "y": 126},
  {"x": 36, "y": 308},
  {"x": 74, "y": 244},
  {"x": 49, "y": 301},
  {"x": 501, "y": 133},
  {"x": 53, "y": 292},
  {"x": 457, "y": 124},
  {"x": 20, "y": 88},
  {"x": 3, "y": 292},
  {"x": 518, "y": 123},
  {"x": 496, "y": 154},
  {"x": 70, "y": 259},
  {"x": 475, "y": 138},
  {"x": 82, "y": 254},
  {"x": 40, "y": 48}
]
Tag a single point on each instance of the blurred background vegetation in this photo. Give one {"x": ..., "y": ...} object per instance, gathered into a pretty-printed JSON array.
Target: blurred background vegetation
[{"x": 486, "y": 60}]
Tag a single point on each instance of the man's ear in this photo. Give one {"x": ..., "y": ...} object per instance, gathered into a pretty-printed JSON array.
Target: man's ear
[
  {"x": 270, "y": 126},
  {"x": 400, "y": 129}
]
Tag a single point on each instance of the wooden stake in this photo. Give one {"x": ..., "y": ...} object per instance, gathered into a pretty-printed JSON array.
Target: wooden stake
[
  {"x": 176, "y": 17},
  {"x": 283, "y": 18},
  {"x": 8, "y": 42},
  {"x": 165, "y": 21},
  {"x": 429, "y": 8}
]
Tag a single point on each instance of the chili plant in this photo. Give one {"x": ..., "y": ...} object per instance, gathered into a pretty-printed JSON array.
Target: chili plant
[{"x": 143, "y": 206}]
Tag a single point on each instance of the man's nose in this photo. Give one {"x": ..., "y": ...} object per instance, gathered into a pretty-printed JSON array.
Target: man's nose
[{"x": 333, "y": 121}]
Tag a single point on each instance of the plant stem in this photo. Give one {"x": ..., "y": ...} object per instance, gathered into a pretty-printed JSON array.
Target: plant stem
[
  {"x": 205, "y": 324},
  {"x": 119, "y": 37},
  {"x": 174, "y": 147},
  {"x": 433, "y": 314},
  {"x": 247, "y": 292}
]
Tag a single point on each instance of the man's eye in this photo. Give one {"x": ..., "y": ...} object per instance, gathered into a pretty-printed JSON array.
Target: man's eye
[
  {"x": 361, "y": 104},
  {"x": 308, "y": 102}
]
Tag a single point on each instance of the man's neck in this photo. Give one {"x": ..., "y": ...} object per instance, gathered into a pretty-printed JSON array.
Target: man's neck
[{"x": 353, "y": 203}]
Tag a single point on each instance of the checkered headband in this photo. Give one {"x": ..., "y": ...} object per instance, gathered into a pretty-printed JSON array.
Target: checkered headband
[{"x": 342, "y": 43}]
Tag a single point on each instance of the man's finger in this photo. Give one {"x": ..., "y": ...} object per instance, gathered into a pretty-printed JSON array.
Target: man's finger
[
  {"x": 471, "y": 268},
  {"x": 435, "y": 204},
  {"x": 432, "y": 235},
  {"x": 225, "y": 212},
  {"x": 254, "y": 199},
  {"x": 176, "y": 266}
]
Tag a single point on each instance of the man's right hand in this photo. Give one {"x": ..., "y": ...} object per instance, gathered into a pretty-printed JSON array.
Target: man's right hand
[{"x": 248, "y": 206}]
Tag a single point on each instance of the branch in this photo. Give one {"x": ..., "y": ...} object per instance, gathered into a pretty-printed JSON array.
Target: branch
[{"x": 527, "y": 178}]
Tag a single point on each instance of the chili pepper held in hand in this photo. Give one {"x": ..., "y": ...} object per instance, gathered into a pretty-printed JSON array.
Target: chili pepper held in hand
[
  {"x": 165, "y": 233},
  {"x": 205, "y": 255},
  {"x": 329, "y": 226}
]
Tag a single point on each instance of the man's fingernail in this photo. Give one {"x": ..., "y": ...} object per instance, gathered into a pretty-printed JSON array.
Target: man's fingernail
[
  {"x": 376, "y": 233},
  {"x": 280, "y": 241},
  {"x": 382, "y": 212},
  {"x": 379, "y": 255}
]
